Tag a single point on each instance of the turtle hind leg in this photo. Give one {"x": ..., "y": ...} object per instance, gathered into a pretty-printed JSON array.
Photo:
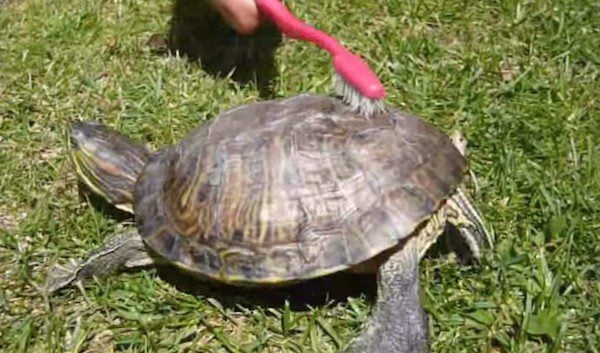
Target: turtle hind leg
[
  {"x": 120, "y": 251},
  {"x": 398, "y": 323},
  {"x": 466, "y": 219}
]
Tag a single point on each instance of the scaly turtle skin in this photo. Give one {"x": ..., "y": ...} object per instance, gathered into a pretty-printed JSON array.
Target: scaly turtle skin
[{"x": 286, "y": 190}]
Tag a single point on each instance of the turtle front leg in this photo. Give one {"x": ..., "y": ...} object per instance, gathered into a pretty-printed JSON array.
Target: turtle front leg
[
  {"x": 397, "y": 323},
  {"x": 120, "y": 251}
]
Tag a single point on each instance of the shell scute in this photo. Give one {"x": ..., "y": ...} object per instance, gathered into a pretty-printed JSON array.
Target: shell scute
[{"x": 285, "y": 190}]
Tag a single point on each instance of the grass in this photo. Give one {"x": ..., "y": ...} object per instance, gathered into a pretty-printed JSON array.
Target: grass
[{"x": 520, "y": 78}]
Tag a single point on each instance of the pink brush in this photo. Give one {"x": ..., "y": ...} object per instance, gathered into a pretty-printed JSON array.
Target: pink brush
[{"x": 358, "y": 85}]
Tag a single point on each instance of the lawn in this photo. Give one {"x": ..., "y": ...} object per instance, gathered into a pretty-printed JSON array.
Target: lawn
[{"x": 521, "y": 79}]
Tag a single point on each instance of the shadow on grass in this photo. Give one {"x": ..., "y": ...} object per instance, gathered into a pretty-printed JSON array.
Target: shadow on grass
[
  {"x": 200, "y": 33},
  {"x": 331, "y": 289},
  {"x": 101, "y": 205}
]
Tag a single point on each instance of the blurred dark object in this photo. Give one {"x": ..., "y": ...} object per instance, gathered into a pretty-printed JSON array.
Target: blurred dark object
[
  {"x": 199, "y": 32},
  {"x": 318, "y": 292},
  {"x": 158, "y": 44}
]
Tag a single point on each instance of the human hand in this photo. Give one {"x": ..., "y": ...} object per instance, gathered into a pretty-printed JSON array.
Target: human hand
[{"x": 243, "y": 15}]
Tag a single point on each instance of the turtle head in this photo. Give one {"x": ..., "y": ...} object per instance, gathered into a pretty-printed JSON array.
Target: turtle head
[{"x": 107, "y": 162}]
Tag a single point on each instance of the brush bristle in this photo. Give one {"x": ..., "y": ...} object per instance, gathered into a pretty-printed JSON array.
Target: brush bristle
[{"x": 358, "y": 102}]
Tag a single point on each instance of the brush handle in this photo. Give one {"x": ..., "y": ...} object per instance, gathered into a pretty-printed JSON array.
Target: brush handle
[
  {"x": 351, "y": 67},
  {"x": 293, "y": 27}
]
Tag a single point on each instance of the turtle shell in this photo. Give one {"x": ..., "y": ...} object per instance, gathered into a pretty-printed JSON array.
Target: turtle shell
[{"x": 292, "y": 189}]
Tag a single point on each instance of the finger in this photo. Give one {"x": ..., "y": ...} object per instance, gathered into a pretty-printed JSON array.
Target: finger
[{"x": 243, "y": 15}]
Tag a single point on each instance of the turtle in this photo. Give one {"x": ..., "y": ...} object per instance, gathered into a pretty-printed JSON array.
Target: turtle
[{"x": 285, "y": 190}]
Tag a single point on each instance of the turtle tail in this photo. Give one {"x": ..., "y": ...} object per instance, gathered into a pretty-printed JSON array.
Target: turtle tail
[{"x": 107, "y": 162}]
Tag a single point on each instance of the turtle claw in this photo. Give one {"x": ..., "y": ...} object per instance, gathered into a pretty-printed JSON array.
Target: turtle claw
[{"x": 61, "y": 276}]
